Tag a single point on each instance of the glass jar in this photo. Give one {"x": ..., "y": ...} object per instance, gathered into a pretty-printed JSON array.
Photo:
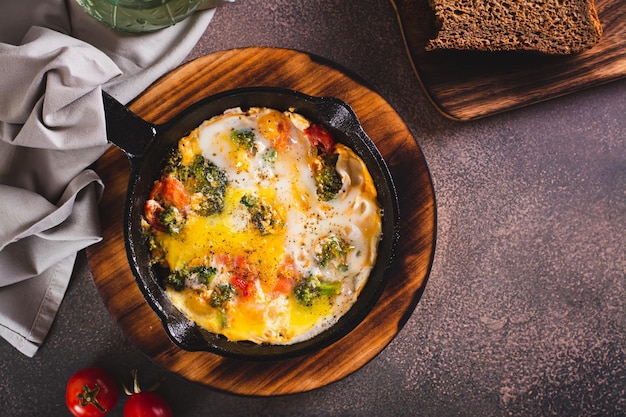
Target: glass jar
[{"x": 143, "y": 15}]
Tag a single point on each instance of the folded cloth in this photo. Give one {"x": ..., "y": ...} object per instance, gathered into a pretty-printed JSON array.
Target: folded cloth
[{"x": 55, "y": 60}]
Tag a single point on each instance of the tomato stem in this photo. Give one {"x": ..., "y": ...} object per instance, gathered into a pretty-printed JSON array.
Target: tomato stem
[
  {"x": 136, "y": 388},
  {"x": 89, "y": 396}
]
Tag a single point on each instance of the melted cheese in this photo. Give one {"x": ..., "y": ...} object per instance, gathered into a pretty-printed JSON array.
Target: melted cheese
[{"x": 278, "y": 174}]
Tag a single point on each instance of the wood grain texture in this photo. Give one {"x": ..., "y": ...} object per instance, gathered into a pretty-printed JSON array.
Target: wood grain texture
[
  {"x": 467, "y": 85},
  {"x": 249, "y": 67}
]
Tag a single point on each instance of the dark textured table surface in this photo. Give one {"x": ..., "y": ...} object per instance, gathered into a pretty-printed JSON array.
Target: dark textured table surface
[{"x": 524, "y": 313}]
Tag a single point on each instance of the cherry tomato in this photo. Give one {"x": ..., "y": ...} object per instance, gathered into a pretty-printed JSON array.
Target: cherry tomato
[
  {"x": 145, "y": 403},
  {"x": 91, "y": 392}
]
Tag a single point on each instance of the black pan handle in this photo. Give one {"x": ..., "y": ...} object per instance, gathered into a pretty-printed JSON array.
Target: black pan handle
[{"x": 125, "y": 129}]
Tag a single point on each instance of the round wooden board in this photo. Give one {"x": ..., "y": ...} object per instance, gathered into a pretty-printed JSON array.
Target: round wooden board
[{"x": 274, "y": 67}]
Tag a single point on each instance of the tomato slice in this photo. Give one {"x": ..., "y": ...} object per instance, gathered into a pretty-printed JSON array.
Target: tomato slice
[
  {"x": 171, "y": 191},
  {"x": 246, "y": 287},
  {"x": 152, "y": 211},
  {"x": 284, "y": 285},
  {"x": 321, "y": 137},
  {"x": 275, "y": 127},
  {"x": 285, "y": 277}
]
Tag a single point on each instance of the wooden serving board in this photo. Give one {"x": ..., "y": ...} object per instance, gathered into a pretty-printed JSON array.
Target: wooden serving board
[
  {"x": 249, "y": 67},
  {"x": 466, "y": 85}
]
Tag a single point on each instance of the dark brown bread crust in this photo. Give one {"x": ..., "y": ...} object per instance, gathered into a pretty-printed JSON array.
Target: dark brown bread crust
[{"x": 546, "y": 26}]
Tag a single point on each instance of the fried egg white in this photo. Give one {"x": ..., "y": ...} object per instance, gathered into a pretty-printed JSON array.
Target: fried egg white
[{"x": 264, "y": 267}]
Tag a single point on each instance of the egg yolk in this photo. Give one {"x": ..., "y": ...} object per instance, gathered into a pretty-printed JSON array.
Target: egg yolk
[{"x": 221, "y": 234}]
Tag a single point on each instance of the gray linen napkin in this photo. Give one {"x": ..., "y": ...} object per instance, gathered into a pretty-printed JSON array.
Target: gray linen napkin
[{"x": 54, "y": 62}]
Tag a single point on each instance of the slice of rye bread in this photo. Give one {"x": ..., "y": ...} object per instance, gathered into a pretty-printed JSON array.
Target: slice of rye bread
[{"x": 545, "y": 26}]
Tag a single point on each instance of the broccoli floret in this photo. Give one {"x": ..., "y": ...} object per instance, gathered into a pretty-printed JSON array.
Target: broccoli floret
[
  {"x": 211, "y": 182},
  {"x": 326, "y": 176},
  {"x": 310, "y": 287},
  {"x": 174, "y": 165},
  {"x": 201, "y": 176},
  {"x": 206, "y": 178},
  {"x": 203, "y": 274},
  {"x": 249, "y": 201},
  {"x": 333, "y": 248},
  {"x": 157, "y": 254},
  {"x": 244, "y": 138},
  {"x": 172, "y": 219},
  {"x": 177, "y": 279},
  {"x": 221, "y": 295},
  {"x": 264, "y": 216}
]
